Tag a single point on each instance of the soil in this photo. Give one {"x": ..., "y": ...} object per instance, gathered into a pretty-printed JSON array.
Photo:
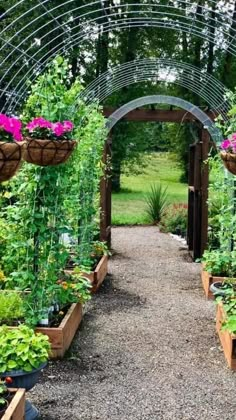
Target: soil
[{"x": 147, "y": 347}]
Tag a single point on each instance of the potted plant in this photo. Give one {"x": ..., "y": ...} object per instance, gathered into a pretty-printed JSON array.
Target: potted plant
[
  {"x": 228, "y": 153},
  {"x": 218, "y": 267},
  {"x": 48, "y": 143},
  {"x": 10, "y": 146},
  {"x": 23, "y": 354}
]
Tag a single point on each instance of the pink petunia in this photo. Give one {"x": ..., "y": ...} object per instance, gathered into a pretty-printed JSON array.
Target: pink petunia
[
  {"x": 17, "y": 136},
  {"x": 68, "y": 125},
  {"x": 225, "y": 144},
  {"x": 58, "y": 129}
]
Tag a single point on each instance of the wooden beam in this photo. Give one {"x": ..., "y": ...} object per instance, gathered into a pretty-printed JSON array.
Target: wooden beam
[{"x": 160, "y": 115}]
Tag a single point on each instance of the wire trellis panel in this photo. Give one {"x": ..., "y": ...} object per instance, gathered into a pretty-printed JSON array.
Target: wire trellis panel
[
  {"x": 155, "y": 70},
  {"x": 33, "y": 32}
]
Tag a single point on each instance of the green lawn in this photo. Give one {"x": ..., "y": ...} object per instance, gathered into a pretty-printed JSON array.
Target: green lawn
[{"x": 128, "y": 206}]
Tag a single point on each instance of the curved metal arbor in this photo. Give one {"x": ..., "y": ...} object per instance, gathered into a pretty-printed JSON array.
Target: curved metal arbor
[
  {"x": 169, "y": 100},
  {"x": 207, "y": 87},
  {"x": 48, "y": 28}
]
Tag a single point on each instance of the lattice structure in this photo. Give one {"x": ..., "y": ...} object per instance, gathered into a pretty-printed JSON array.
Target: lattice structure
[
  {"x": 34, "y": 35},
  {"x": 155, "y": 70}
]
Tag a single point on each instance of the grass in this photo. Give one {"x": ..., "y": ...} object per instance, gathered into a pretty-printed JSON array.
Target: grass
[{"x": 128, "y": 206}]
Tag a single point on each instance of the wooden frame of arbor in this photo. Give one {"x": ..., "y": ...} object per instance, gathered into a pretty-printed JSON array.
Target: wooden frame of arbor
[{"x": 197, "y": 232}]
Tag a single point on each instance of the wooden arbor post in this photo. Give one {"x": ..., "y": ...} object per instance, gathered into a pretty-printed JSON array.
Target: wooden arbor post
[
  {"x": 105, "y": 195},
  {"x": 197, "y": 196}
]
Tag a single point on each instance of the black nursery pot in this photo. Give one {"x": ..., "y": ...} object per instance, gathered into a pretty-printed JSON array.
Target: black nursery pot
[
  {"x": 219, "y": 289},
  {"x": 22, "y": 379}
]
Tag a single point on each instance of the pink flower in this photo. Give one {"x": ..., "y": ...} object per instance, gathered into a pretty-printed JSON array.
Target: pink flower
[
  {"x": 38, "y": 122},
  {"x": 233, "y": 136},
  {"x": 58, "y": 129},
  {"x": 225, "y": 144},
  {"x": 12, "y": 126},
  {"x": 68, "y": 125},
  {"x": 18, "y": 136}
]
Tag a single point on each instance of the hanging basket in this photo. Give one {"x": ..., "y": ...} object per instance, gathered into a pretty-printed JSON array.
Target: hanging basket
[
  {"x": 229, "y": 160},
  {"x": 10, "y": 159},
  {"x": 47, "y": 152}
]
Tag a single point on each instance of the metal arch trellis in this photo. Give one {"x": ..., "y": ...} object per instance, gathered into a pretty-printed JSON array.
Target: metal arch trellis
[
  {"x": 149, "y": 69},
  {"x": 200, "y": 115},
  {"x": 78, "y": 23}
]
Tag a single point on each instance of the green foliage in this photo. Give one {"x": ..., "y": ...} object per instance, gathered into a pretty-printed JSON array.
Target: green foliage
[
  {"x": 54, "y": 96},
  {"x": 22, "y": 349},
  {"x": 220, "y": 262},
  {"x": 48, "y": 202},
  {"x": 82, "y": 202},
  {"x": 219, "y": 200},
  {"x": 128, "y": 206},
  {"x": 175, "y": 219},
  {"x": 11, "y": 307},
  {"x": 229, "y": 304},
  {"x": 156, "y": 201}
]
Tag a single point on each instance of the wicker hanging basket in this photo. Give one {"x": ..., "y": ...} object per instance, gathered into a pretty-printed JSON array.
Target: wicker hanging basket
[
  {"x": 229, "y": 160},
  {"x": 10, "y": 159},
  {"x": 47, "y": 152}
]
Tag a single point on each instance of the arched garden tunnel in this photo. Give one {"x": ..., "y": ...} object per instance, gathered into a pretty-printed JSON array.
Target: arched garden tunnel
[
  {"x": 197, "y": 233},
  {"x": 64, "y": 65}
]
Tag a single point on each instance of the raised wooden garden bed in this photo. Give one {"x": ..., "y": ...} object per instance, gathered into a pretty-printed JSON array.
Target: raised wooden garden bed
[
  {"x": 16, "y": 408},
  {"x": 62, "y": 336},
  {"x": 207, "y": 280},
  {"x": 228, "y": 340},
  {"x": 98, "y": 275}
]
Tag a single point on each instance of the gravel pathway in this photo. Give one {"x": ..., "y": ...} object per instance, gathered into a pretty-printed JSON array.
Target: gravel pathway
[{"x": 147, "y": 348}]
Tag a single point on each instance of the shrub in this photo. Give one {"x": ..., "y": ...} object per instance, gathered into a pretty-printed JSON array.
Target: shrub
[
  {"x": 175, "y": 218},
  {"x": 11, "y": 307},
  {"x": 156, "y": 201}
]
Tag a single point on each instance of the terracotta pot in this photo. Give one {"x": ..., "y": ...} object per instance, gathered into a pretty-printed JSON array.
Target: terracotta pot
[
  {"x": 10, "y": 159},
  {"x": 229, "y": 160},
  {"x": 47, "y": 152}
]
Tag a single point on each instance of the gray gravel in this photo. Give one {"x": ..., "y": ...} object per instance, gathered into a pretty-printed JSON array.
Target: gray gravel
[{"x": 147, "y": 347}]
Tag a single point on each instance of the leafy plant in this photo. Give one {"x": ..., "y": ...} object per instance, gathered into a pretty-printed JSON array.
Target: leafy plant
[
  {"x": 156, "y": 201},
  {"x": 22, "y": 349},
  {"x": 175, "y": 218},
  {"x": 229, "y": 304},
  {"x": 220, "y": 263},
  {"x": 99, "y": 248},
  {"x": 73, "y": 288},
  {"x": 11, "y": 307}
]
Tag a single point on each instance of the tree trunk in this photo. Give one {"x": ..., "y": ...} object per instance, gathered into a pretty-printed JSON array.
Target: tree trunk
[
  {"x": 228, "y": 61},
  {"x": 211, "y": 43}
]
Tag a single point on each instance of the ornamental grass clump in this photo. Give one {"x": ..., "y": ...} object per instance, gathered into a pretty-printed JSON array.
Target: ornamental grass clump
[{"x": 156, "y": 202}]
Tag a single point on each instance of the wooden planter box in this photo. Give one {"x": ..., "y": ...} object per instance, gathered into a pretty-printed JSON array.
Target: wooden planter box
[
  {"x": 228, "y": 340},
  {"x": 98, "y": 275},
  {"x": 16, "y": 408},
  {"x": 207, "y": 280},
  {"x": 62, "y": 336}
]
